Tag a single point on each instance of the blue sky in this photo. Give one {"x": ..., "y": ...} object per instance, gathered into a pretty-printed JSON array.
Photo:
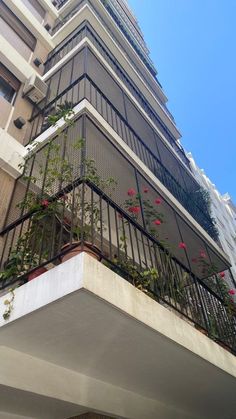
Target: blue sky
[{"x": 192, "y": 44}]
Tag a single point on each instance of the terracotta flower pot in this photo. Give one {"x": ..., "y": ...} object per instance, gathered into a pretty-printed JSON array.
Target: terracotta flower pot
[
  {"x": 79, "y": 249},
  {"x": 37, "y": 272}
]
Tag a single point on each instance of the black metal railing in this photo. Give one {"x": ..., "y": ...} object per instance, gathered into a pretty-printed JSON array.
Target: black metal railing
[
  {"x": 144, "y": 57},
  {"x": 60, "y": 3},
  {"x": 64, "y": 47},
  {"x": 62, "y": 21},
  {"x": 80, "y": 217},
  {"x": 84, "y": 87}
]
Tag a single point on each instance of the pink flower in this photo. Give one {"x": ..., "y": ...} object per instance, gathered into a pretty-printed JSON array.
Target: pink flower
[
  {"x": 145, "y": 190},
  {"x": 232, "y": 292},
  {"x": 157, "y": 222},
  {"x": 158, "y": 201},
  {"x": 45, "y": 203},
  {"x": 182, "y": 245},
  {"x": 131, "y": 192},
  {"x": 202, "y": 254},
  {"x": 134, "y": 210},
  {"x": 222, "y": 274}
]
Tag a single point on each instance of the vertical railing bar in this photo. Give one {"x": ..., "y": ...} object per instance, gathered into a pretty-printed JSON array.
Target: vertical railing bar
[
  {"x": 109, "y": 230},
  {"x": 101, "y": 223}
]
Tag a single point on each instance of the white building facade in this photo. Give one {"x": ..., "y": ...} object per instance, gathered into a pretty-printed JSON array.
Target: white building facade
[{"x": 224, "y": 213}]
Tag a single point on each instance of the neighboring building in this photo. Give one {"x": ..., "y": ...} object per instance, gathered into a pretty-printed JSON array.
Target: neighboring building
[
  {"x": 90, "y": 162},
  {"x": 224, "y": 212}
]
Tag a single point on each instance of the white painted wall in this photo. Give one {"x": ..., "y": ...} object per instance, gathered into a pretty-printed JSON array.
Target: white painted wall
[{"x": 224, "y": 212}]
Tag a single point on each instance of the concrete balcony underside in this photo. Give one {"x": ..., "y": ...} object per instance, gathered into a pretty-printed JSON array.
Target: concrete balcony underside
[{"x": 81, "y": 338}]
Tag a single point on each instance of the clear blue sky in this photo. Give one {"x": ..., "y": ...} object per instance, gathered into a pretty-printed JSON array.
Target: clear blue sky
[{"x": 193, "y": 46}]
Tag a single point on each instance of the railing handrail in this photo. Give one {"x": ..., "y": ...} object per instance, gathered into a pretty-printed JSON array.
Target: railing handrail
[{"x": 56, "y": 51}]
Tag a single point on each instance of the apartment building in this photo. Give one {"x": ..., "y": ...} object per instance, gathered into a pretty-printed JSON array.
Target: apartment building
[
  {"x": 113, "y": 295},
  {"x": 224, "y": 213}
]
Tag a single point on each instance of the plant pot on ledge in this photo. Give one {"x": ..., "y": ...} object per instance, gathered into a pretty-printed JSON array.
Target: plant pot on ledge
[{"x": 78, "y": 248}]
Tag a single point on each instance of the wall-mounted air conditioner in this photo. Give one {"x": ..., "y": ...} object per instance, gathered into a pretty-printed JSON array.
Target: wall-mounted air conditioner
[{"x": 35, "y": 89}]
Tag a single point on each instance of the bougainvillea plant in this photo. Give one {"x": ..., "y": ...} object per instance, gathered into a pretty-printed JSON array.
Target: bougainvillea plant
[{"x": 136, "y": 204}]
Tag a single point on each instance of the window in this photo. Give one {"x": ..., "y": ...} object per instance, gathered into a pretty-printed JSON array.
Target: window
[
  {"x": 9, "y": 85},
  {"x": 17, "y": 26}
]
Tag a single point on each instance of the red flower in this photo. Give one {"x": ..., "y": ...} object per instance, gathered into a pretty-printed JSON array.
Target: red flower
[
  {"x": 131, "y": 192},
  {"x": 222, "y": 274},
  {"x": 232, "y": 292},
  {"x": 158, "y": 201},
  {"x": 203, "y": 254},
  {"x": 145, "y": 190},
  {"x": 182, "y": 245},
  {"x": 194, "y": 260},
  {"x": 157, "y": 222},
  {"x": 134, "y": 210},
  {"x": 45, "y": 203}
]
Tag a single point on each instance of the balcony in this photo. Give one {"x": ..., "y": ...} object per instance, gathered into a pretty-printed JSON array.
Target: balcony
[{"x": 79, "y": 193}]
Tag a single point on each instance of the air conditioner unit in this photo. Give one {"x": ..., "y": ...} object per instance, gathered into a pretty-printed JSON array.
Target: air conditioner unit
[{"x": 35, "y": 89}]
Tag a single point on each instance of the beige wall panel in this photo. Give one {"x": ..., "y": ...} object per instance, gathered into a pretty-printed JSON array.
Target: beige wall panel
[
  {"x": 22, "y": 108},
  {"x": 49, "y": 19},
  {"x": 40, "y": 52},
  {"x": 6, "y": 188},
  {"x": 5, "y": 110}
]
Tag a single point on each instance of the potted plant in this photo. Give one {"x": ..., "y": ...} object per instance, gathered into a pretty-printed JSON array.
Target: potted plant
[{"x": 144, "y": 279}]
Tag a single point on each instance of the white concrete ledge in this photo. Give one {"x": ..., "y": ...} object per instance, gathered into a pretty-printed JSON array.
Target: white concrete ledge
[
  {"x": 11, "y": 154},
  {"x": 14, "y": 61}
]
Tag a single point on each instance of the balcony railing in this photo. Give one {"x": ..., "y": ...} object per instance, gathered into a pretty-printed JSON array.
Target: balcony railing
[
  {"x": 84, "y": 87},
  {"x": 82, "y": 216},
  {"x": 60, "y": 3}
]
